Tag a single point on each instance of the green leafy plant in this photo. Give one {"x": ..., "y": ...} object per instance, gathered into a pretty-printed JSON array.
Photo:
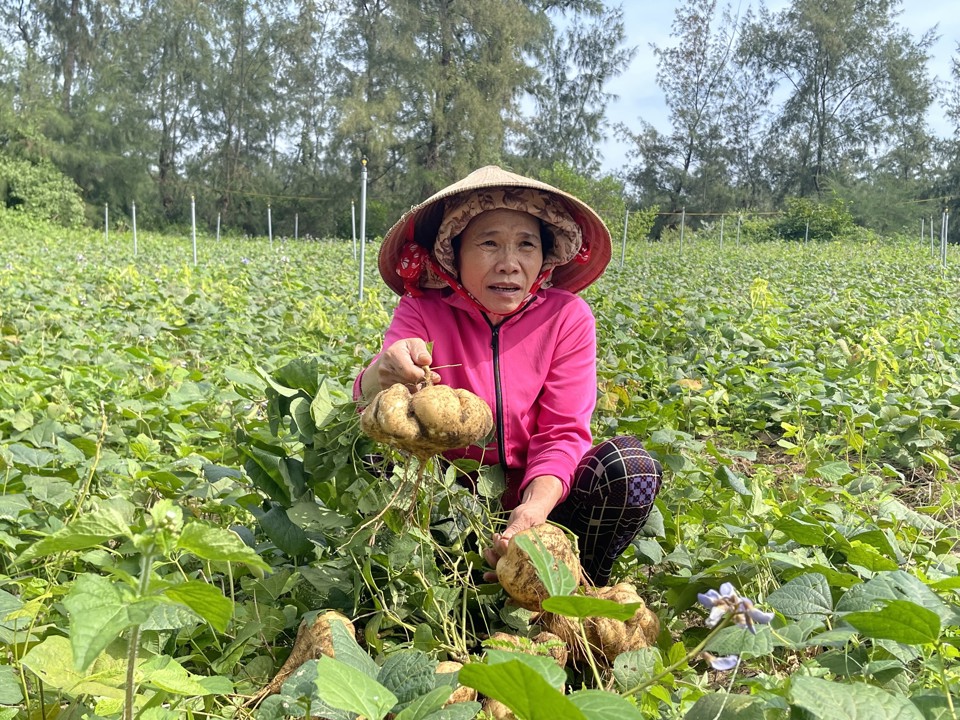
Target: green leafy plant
[
  {"x": 808, "y": 430},
  {"x": 806, "y": 219},
  {"x": 40, "y": 191},
  {"x": 102, "y": 608}
]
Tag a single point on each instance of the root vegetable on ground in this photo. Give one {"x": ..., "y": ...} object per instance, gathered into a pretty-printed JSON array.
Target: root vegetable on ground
[
  {"x": 463, "y": 693},
  {"x": 517, "y": 574},
  {"x": 608, "y": 638},
  {"x": 497, "y": 710},
  {"x": 313, "y": 640}
]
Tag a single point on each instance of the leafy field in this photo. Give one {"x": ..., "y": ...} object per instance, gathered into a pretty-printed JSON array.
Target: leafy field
[{"x": 804, "y": 399}]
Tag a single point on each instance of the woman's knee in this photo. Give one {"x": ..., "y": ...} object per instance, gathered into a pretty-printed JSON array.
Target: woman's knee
[{"x": 619, "y": 467}]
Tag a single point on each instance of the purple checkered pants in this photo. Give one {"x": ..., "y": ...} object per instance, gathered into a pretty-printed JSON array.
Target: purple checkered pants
[{"x": 613, "y": 491}]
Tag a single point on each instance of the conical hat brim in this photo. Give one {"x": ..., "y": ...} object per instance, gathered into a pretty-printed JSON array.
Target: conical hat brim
[{"x": 422, "y": 222}]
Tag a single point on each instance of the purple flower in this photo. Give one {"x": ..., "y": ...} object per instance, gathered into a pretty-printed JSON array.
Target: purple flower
[
  {"x": 727, "y": 662},
  {"x": 725, "y": 603},
  {"x": 728, "y": 602}
]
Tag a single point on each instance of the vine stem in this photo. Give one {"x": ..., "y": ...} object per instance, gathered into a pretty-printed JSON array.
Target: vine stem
[
  {"x": 682, "y": 661},
  {"x": 101, "y": 437},
  {"x": 146, "y": 566},
  {"x": 943, "y": 681},
  {"x": 391, "y": 501},
  {"x": 589, "y": 653}
]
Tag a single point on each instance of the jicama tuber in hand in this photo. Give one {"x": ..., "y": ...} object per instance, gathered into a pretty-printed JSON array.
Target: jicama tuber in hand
[
  {"x": 518, "y": 575},
  {"x": 429, "y": 421}
]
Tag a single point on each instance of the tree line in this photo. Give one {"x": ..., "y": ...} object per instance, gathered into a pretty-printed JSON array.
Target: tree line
[{"x": 243, "y": 104}]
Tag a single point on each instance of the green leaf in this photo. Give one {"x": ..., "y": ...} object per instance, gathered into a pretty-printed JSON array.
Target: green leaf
[
  {"x": 491, "y": 482},
  {"x": 299, "y": 687},
  {"x": 522, "y": 689},
  {"x": 10, "y": 691},
  {"x": 51, "y": 662},
  {"x": 901, "y": 621},
  {"x": 893, "y": 508},
  {"x": 634, "y": 667},
  {"x": 31, "y": 457},
  {"x": 545, "y": 667},
  {"x": 408, "y": 674},
  {"x": 950, "y": 583},
  {"x": 285, "y": 534},
  {"x": 12, "y": 505},
  {"x": 601, "y": 705},
  {"x": 795, "y": 634},
  {"x": 740, "y": 641},
  {"x": 801, "y": 531},
  {"x": 244, "y": 379},
  {"x": 296, "y": 375},
  {"x": 726, "y": 706},
  {"x": 825, "y": 700},
  {"x": 457, "y": 711},
  {"x": 425, "y": 705},
  {"x": 730, "y": 479},
  {"x": 555, "y": 576},
  {"x": 218, "y": 545},
  {"x": 171, "y": 616},
  {"x": 581, "y": 606},
  {"x": 300, "y": 419},
  {"x": 864, "y": 555},
  {"x": 164, "y": 673},
  {"x": 897, "y": 585},
  {"x": 88, "y": 530},
  {"x": 205, "y": 600},
  {"x": 15, "y": 625},
  {"x": 99, "y": 612},
  {"x": 342, "y": 687},
  {"x": 808, "y": 594},
  {"x": 348, "y": 651},
  {"x": 877, "y": 540},
  {"x": 322, "y": 409},
  {"x": 933, "y": 704},
  {"x": 834, "y": 472}
]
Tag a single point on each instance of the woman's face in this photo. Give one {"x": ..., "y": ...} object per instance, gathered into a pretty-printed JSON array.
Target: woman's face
[{"x": 500, "y": 257}]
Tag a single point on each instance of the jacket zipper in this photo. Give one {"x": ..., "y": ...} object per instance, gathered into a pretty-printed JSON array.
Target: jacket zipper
[
  {"x": 498, "y": 398},
  {"x": 497, "y": 391}
]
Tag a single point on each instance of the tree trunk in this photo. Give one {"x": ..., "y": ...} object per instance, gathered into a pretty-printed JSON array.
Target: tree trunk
[{"x": 71, "y": 39}]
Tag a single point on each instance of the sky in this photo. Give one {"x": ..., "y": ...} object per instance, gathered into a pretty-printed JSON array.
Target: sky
[{"x": 649, "y": 22}]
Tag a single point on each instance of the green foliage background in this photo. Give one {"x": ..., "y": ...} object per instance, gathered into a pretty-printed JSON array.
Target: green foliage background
[
  {"x": 169, "y": 431},
  {"x": 40, "y": 191}
]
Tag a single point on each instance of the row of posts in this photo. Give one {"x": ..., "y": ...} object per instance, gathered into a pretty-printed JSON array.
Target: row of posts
[
  {"x": 683, "y": 223},
  {"x": 944, "y": 234},
  {"x": 944, "y": 226},
  {"x": 296, "y": 225}
]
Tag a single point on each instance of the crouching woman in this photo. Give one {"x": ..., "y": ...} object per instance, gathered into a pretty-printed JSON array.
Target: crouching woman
[{"x": 488, "y": 270}]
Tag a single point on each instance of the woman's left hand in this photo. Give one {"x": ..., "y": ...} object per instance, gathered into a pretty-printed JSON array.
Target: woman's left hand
[{"x": 539, "y": 499}]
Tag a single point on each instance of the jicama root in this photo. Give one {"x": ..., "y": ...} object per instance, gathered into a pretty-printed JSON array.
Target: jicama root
[
  {"x": 608, "y": 638},
  {"x": 518, "y": 575},
  {"x": 313, "y": 640},
  {"x": 429, "y": 421}
]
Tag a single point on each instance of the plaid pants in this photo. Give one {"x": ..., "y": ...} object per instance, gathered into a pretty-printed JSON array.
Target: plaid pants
[{"x": 613, "y": 490}]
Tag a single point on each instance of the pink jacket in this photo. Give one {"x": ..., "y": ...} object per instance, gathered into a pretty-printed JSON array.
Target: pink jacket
[{"x": 545, "y": 357}]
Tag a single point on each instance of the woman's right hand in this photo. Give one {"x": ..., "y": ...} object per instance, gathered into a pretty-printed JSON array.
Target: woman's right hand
[{"x": 403, "y": 362}]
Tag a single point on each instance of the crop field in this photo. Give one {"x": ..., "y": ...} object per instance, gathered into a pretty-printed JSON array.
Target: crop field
[{"x": 185, "y": 484}]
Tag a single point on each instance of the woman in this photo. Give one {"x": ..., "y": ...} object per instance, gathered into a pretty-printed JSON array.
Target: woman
[{"x": 488, "y": 269}]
